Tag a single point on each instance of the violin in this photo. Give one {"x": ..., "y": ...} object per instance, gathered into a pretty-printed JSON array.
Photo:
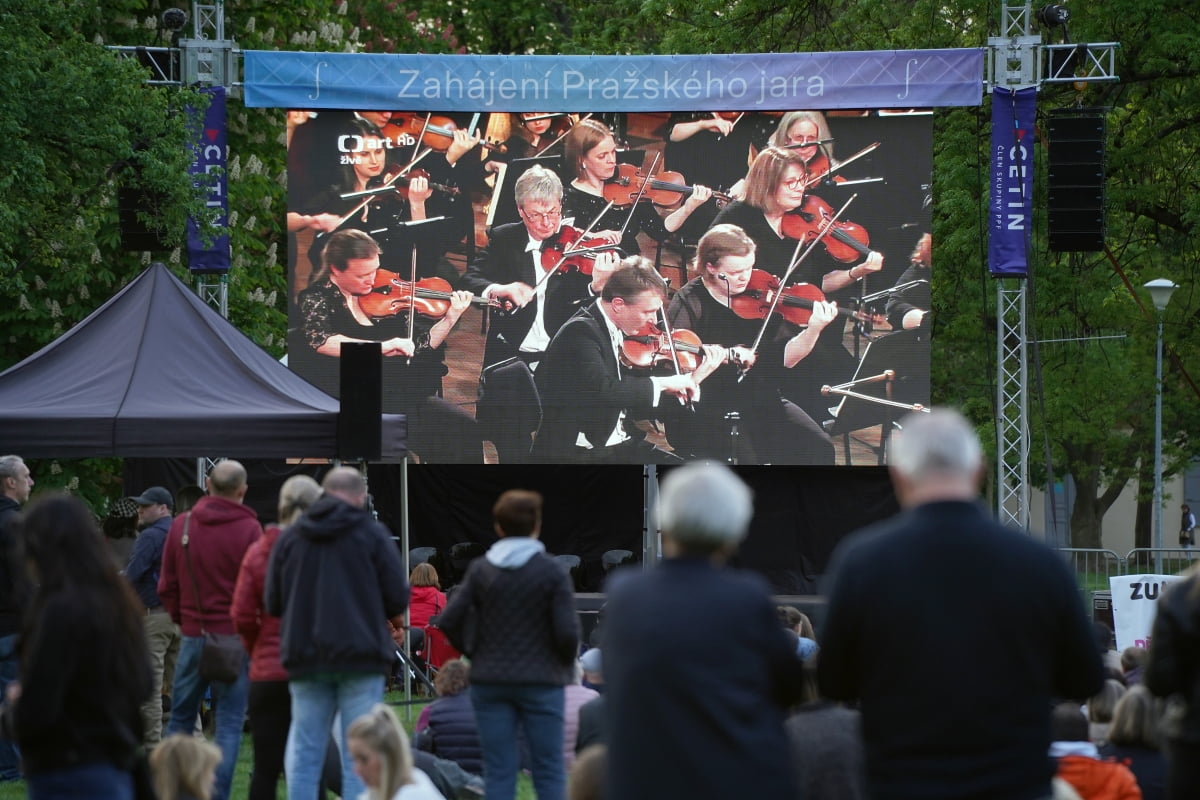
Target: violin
[
  {"x": 795, "y": 304},
  {"x": 396, "y": 179},
  {"x": 845, "y": 241},
  {"x": 651, "y": 346},
  {"x": 429, "y": 296},
  {"x": 663, "y": 189},
  {"x": 570, "y": 250},
  {"x": 437, "y": 135}
]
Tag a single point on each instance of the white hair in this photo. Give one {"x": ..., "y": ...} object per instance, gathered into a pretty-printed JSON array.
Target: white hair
[
  {"x": 938, "y": 443},
  {"x": 704, "y": 506}
]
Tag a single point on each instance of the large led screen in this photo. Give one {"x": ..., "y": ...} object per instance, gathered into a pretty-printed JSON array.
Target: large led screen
[{"x": 619, "y": 287}]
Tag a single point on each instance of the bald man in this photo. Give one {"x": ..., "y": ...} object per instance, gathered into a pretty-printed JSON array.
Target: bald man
[
  {"x": 196, "y": 589},
  {"x": 335, "y": 579}
]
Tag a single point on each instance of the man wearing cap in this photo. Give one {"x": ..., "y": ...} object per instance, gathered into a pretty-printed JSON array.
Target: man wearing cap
[
  {"x": 15, "y": 485},
  {"x": 154, "y": 507}
]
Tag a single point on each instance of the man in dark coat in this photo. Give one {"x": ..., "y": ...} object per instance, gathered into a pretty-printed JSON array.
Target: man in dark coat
[
  {"x": 335, "y": 580},
  {"x": 697, "y": 668},
  {"x": 973, "y": 718}
]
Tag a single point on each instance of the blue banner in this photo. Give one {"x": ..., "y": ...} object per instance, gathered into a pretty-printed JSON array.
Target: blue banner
[
  {"x": 208, "y": 156},
  {"x": 761, "y": 82},
  {"x": 1011, "y": 186}
]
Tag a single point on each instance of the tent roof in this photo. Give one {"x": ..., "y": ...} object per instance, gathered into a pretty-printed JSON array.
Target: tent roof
[{"x": 155, "y": 372}]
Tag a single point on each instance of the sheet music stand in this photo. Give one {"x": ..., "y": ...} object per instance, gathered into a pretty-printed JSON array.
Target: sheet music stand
[{"x": 892, "y": 379}]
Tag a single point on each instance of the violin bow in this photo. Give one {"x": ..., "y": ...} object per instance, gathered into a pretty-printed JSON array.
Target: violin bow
[
  {"x": 797, "y": 259},
  {"x": 571, "y": 248},
  {"x": 387, "y": 183},
  {"x": 641, "y": 193},
  {"x": 675, "y": 356},
  {"x": 813, "y": 181},
  {"x": 412, "y": 302},
  {"x": 561, "y": 136}
]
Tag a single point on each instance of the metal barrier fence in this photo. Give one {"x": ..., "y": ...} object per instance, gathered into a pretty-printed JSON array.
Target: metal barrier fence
[
  {"x": 1160, "y": 560},
  {"x": 1094, "y": 566}
]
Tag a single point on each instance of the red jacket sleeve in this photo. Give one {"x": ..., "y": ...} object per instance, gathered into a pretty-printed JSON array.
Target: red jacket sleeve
[{"x": 246, "y": 609}]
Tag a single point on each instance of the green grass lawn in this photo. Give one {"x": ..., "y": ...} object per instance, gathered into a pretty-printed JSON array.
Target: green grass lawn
[{"x": 241, "y": 774}]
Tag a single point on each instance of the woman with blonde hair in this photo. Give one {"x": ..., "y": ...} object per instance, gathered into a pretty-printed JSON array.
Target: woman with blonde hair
[
  {"x": 383, "y": 760},
  {"x": 269, "y": 705},
  {"x": 184, "y": 768}
]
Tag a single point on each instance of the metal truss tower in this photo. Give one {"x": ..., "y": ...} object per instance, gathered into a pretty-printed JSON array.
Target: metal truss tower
[{"x": 1018, "y": 59}]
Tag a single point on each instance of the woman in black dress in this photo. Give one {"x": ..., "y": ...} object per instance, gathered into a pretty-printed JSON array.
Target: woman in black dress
[
  {"x": 770, "y": 430},
  {"x": 591, "y": 158}
]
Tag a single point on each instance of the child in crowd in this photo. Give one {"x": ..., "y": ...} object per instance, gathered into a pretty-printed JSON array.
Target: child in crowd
[
  {"x": 383, "y": 760},
  {"x": 184, "y": 768}
]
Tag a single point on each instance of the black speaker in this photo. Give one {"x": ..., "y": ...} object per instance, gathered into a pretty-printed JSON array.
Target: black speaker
[
  {"x": 361, "y": 384},
  {"x": 1075, "y": 181}
]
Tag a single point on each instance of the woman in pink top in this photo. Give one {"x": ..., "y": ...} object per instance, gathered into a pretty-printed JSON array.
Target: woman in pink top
[{"x": 427, "y": 601}]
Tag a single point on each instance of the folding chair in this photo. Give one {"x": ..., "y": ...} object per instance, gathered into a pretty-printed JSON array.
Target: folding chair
[{"x": 437, "y": 649}]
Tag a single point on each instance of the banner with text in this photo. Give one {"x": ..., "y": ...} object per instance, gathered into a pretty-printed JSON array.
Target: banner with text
[
  {"x": 1135, "y": 604},
  {"x": 210, "y": 254},
  {"x": 756, "y": 82},
  {"x": 1011, "y": 190}
]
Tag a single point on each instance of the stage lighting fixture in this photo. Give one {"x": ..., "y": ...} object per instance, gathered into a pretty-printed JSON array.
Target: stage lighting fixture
[
  {"x": 173, "y": 19},
  {"x": 1053, "y": 16}
]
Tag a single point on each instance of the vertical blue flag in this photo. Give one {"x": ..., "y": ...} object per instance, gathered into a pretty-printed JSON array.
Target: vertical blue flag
[
  {"x": 1010, "y": 213},
  {"x": 208, "y": 155}
]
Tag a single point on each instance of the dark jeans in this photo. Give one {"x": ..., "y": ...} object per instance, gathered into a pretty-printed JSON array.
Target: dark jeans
[
  {"x": 81, "y": 783},
  {"x": 9, "y": 758},
  {"x": 537, "y": 710}
]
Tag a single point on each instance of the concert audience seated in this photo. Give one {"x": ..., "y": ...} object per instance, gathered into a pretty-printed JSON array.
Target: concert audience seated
[
  {"x": 1100, "y": 710},
  {"x": 446, "y": 727},
  {"x": 826, "y": 746},
  {"x": 1133, "y": 661},
  {"x": 1135, "y": 739},
  {"x": 1079, "y": 762},
  {"x": 575, "y": 696}
]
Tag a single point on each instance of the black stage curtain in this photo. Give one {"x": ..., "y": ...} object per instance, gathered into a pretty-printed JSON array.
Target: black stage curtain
[{"x": 801, "y": 513}]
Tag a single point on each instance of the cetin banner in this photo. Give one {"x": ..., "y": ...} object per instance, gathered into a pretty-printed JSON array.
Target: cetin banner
[
  {"x": 208, "y": 156},
  {"x": 1011, "y": 189}
]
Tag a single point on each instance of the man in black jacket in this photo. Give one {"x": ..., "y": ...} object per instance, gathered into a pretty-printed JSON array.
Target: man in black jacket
[
  {"x": 587, "y": 395},
  {"x": 943, "y": 578},
  {"x": 335, "y": 579},
  {"x": 15, "y": 484}
]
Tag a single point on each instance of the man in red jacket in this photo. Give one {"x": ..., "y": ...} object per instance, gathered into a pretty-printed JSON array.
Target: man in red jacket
[{"x": 196, "y": 588}]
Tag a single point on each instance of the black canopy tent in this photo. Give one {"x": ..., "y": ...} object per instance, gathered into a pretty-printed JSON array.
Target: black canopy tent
[{"x": 155, "y": 372}]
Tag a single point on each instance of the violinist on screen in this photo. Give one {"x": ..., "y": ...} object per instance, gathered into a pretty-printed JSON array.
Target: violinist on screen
[
  {"x": 715, "y": 307},
  {"x": 807, "y": 132},
  {"x": 511, "y": 269},
  {"x": 352, "y": 300},
  {"x": 588, "y": 396},
  {"x": 776, "y": 215},
  {"x": 591, "y": 155},
  {"x": 775, "y": 189},
  {"x": 364, "y": 165}
]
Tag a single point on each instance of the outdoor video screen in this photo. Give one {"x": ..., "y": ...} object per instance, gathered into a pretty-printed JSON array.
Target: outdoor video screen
[{"x": 619, "y": 287}]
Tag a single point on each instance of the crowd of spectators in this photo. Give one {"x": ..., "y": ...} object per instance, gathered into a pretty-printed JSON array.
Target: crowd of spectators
[{"x": 697, "y": 685}]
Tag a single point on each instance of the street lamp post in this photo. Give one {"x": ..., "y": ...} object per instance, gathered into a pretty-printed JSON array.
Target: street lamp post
[{"x": 1160, "y": 294}]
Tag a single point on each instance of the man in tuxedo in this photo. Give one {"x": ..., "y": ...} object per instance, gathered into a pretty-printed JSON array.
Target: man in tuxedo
[
  {"x": 587, "y": 395},
  {"x": 510, "y": 270}
]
